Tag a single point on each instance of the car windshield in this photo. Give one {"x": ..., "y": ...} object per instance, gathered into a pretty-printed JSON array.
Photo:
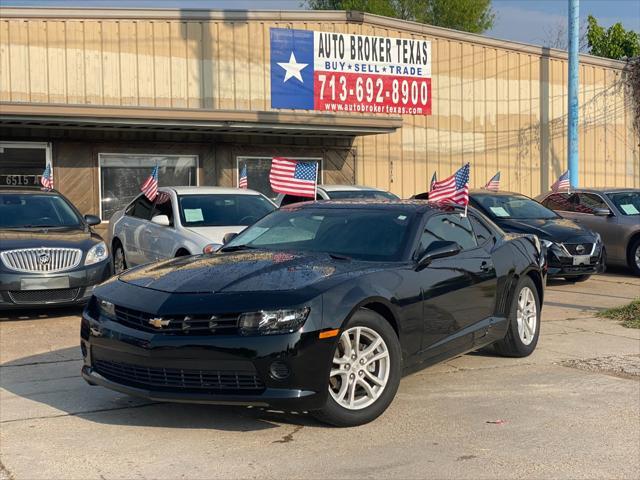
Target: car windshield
[
  {"x": 513, "y": 206},
  {"x": 362, "y": 234},
  {"x": 33, "y": 210},
  {"x": 374, "y": 194},
  {"x": 628, "y": 203},
  {"x": 218, "y": 210}
]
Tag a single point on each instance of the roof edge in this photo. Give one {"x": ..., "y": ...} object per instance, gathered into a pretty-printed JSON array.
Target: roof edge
[{"x": 347, "y": 16}]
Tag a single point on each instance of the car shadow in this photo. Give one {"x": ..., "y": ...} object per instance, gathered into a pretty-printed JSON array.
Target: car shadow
[
  {"x": 41, "y": 313},
  {"x": 53, "y": 379}
]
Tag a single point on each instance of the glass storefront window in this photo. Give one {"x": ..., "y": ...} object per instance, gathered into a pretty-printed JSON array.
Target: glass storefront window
[
  {"x": 258, "y": 172},
  {"x": 23, "y": 163},
  {"x": 122, "y": 174}
]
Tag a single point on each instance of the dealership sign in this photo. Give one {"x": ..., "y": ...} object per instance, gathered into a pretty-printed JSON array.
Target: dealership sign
[{"x": 341, "y": 72}]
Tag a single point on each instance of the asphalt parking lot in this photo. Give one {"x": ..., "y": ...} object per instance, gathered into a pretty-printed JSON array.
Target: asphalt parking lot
[{"x": 477, "y": 416}]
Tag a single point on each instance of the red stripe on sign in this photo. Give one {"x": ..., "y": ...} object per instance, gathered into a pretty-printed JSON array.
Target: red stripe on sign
[{"x": 372, "y": 93}]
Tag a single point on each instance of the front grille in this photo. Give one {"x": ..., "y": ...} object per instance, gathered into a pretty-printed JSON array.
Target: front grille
[
  {"x": 162, "y": 378},
  {"x": 44, "y": 296},
  {"x": 41, "y": 260},
  {"x": 177, "y": 325},
  {"x": 572, "y": 248}
]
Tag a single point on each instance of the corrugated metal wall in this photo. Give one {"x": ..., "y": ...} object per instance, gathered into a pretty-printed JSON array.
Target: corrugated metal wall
[{"x": 495, "y": 104}]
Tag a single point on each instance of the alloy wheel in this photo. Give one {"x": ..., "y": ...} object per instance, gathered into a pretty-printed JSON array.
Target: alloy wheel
[
  {"x": 527, "y": 316},
  {"x": 360, "y": 368},
  {"x": 637, "y": 256}
]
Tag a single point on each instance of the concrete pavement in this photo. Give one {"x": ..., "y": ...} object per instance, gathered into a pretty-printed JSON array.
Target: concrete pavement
[{"x": 477, "y": 416}]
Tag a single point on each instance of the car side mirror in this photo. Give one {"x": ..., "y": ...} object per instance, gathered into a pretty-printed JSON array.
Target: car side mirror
[
  {"x": 92, "y": 220},
  {"x": 602, "y": 212},
  {"x": 228, "y": 237},
  {"x": 161, "y": 220},
  {"x": 440, "y": 249}
]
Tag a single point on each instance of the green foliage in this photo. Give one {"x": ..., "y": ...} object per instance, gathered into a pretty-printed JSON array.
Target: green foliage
[
  {"x": 474, "y": 16},
  {"x": 614, "y": 42},
  {"x": 629, "y": 315}
]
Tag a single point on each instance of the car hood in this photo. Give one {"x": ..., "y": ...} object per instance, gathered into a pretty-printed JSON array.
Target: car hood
[
  {"x": 47, "y": 237},
  {"x": 247, "y": 271},
  {"x": 552, "y": 229},
  {"x": 216, "y": 234}
]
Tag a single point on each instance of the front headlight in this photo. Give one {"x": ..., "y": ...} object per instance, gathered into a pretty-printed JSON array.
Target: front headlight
[
  {"x": 107, "y": 309},
  {"x": 274, "y": 321},
  {"x": 96, "y": 254}
]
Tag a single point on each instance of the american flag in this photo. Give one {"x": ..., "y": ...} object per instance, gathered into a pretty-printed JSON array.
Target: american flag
[
  {"x": 292, "y": 177},
  {"x": 562, "y": 183},
  {"x": 454, "y": 189},
  {"x": 47, "y": 177},
  {"x": 243, "y": 182},
  {"x": 150, "y": 185},
  {"x": 494, "y": 183},
  {"x": 434, "y": 180}
]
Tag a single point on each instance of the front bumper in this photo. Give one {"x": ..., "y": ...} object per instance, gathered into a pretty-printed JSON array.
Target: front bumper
[
  {"x": 72, "y": 287},
  {"x": 213, "y": 369},
  {"x": 561, "y": 263}
]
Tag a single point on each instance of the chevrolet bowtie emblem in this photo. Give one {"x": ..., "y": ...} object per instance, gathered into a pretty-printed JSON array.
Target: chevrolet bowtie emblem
[{"x": 159, "y": 322}]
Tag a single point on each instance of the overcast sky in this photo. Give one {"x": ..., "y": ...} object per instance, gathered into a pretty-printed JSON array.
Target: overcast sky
[{"x": 520, "y": 20}]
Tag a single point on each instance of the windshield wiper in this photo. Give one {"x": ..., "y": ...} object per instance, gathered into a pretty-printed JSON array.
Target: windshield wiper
[
  {"x": 337, "y": 256},
  {"x": 235, "y": 248}
]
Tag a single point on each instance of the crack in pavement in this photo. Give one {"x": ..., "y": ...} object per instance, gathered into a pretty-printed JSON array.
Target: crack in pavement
[
  {"x": 79, "y": 414},
  {"x": 289, "y": 436},
  {"x": 4, "y": 473}
]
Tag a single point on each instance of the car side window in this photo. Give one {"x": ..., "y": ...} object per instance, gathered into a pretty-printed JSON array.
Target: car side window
[
  {"x": 141, "y": 208},
  {"x": 451, "y": 228},
  {"x": 163, "y": 206},
  {"x": 483, "y": 234},
  {"x": 588, "y": 202},
  {"x": 558, "y": 201}
]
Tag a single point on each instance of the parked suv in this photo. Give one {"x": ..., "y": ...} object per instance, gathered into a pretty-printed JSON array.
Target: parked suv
[
  {"x": 181, "y": 221},
  {"x": 612, "y": 212},
  {"x": 48, "y": 253}
]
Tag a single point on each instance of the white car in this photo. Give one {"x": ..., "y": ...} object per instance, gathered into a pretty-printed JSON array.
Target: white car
[
  {"x": 181, "y": 221},
  {"x": 333, "y": 192}
]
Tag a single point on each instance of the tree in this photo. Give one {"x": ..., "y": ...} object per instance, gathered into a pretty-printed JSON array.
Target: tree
[
  {"x": 614, "y": 42},
  {"x": 474, "y": 16},
  {"x": 556, "y": 36}
]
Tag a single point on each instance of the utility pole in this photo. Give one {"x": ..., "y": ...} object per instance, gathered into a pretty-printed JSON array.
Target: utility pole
[{"x": 572, "y": 153}]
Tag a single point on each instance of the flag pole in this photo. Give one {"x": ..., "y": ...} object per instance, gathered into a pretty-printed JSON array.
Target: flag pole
[{"x": 315, "y": 185}]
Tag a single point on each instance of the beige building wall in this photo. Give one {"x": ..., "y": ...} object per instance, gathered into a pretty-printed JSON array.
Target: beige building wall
[{"x": 499, "y": 105}]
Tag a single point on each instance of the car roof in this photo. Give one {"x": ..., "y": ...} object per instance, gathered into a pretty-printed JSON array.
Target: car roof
[
  {"x": 210, "y": 191},
  {"x": 348, "y": 188},
  {"x": 419, "y": 206},
  {"x": 27, "y": 189},
  {"x": 604, "y": 190},
  {"x": 489, "y": 193}
]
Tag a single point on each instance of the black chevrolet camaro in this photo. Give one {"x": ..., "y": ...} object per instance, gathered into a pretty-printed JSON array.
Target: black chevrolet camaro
[{"x": 318, "y": 307}]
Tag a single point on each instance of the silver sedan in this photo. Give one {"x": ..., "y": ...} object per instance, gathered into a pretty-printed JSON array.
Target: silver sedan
[{"x": 181, "y": 221}]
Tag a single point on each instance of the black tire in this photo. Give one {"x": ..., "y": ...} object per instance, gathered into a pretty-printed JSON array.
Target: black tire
[
  {"x": 182, "y": 253},
  {"x": 633, "y": 251},
  {"x": 577, "y": 278},
  {"x": 511, "y": 345},
  {"x": 118, "y": 267},
  {"x": 335, "y": 414}
]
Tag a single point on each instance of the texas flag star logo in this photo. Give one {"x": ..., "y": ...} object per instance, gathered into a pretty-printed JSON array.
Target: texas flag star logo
[{"x": 292, "y": 69}]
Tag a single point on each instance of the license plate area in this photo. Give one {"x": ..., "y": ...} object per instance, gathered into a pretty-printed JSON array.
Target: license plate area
[
  {"x": 43, "y": 283},
  {"x": 581, "y": 259}
]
